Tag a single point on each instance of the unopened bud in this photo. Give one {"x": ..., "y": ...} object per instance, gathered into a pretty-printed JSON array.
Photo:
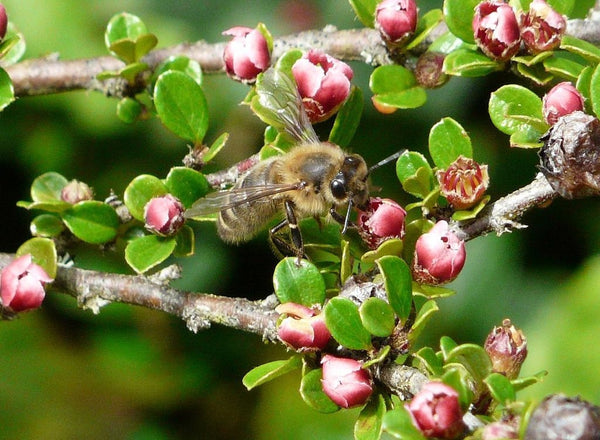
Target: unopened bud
[
  {"x": 499, "y": 431},
  {"x": 345, "y": 381},
  {"x": 381, "y": 220},
  {"x": 562, "y": 417},
  {"x": 164, "y": 215},
  {"x": 464, "y": 182},
  {"x": 302, "y": 328},
  {"x": 439, "y": 255},
  {"x": 396, "y": 20},
  {"x": 507, "y": 348},
  {"x": 22, "y": 284},
  {"x": 323, "y": 83},
  {"x": 561, "y": 100},
  {"x": 75, "y": 192},
  {"x": 570, "y": 157},
  {"x": 430, "y": 70},
  {"x": 247, "y": 54},
  {"x": 3, "y": 21},
  {"x": 496, "y": 29},
  {"x": 542, "y": 27},
  {"x": 436, "y": 411}
]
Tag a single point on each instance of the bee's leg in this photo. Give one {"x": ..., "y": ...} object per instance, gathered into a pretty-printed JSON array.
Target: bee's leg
[
  {"x": 296, "y": 247},
  {"x": 342, "y": 220}
]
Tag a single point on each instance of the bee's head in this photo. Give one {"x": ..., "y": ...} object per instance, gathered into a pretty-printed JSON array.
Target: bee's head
[{"x": 350, "y": 183}]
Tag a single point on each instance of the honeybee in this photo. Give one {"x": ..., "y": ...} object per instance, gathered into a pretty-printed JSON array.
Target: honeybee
[{"x": 312, "y": 179}]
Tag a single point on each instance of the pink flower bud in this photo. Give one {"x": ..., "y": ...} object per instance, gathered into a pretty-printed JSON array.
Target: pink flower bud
[
  {"x": 22, "y": 284},
  {"x": 247, "y": 54},
  {"x": 561, "y": 100},
  {"x": 381, "y": 220},
  {"x": 496, "y": 29},
  {"x": 164, "y": 215},
  {"x": 396, "y": 20},
  {"x": 323, "y": 83},
  {"x": 302, "y": 328},
  {"x": 542, "y": 27},
  {"x": 499, "y": 431},
  {"x": 436, "y": 411},
  {"x": 345, "y": 381},
  {"x": 464, "y": 182},
  {"x": 439, "y": 255},
  {"x": 75, "y": 192},
  {"x": 3, "y": 21},
  {"x": 507, "y": 348}
]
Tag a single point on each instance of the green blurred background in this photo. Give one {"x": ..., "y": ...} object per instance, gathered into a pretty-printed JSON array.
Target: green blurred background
[{"x": 138, "y": 374}]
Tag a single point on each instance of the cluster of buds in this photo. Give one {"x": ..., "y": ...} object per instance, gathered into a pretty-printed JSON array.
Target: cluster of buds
[
  {"x": 381, "y": 220},
  {"x": 247, "y": 54},
  {"x": 302, "y": 328},
  {"x": 22, "y": 284},
  {"x": 75, "y": 192},
  {"x": 396, "y": 20},
  {"x": 507, "y": 348},
  {"x": 464, "y": 182},
  {"x": 164, "y": 215},
  {"x": 323, "y": 83},
  {"x": 436, "y": 411},
  {"x": 499, "y": 33},
  {"x": 345, "y": 381},
  {"x": 561, "y": 100},
  {"x": 439, "y": 255}
]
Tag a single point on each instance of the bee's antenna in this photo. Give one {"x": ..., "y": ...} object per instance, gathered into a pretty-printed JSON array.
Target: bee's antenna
[
  {"x": 347, "y": 218},
  {"x": 386, "y": 160}
]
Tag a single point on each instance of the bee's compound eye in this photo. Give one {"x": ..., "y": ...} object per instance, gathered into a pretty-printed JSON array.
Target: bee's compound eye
[{"x": 338, "y": 188}]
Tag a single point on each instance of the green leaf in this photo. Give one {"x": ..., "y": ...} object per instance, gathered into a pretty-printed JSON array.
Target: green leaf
[
  {"x": 563, "y": 67},
  {"x": 398, "y": 423},
  {"x": 123, "y": 25},
  {"x": 457, "y": 377},
  {"x": 343, "y": 321},
  {"x": 7, "y": 92},
  {"x": 139, "y": 192},
  {"x": 183, "y": 64},
  {"x": 595, "y": 90},
  {"x": 432, "y": 292},
  {"x": 56, "y": 206},
  {"x": 13, "y": 46},
  {"x": 365, "y": 11},
  {"x": 448, "y": 43},
  {"x": 501, "y": 389},
  {"x": 47, "y": 225},
  {"x": 584, "y": 84},
  {"x": 473, "y": 357},
  {"x": 269, "y": 371},
  {"x": 129, "y": 109},
  {"x": 130, "y": 71},
  {"x": 430, "y": 360},
  {"x": 470, "y": 64},
  {"x": 377, "y": 317},
  {"x": 181, "y": 106},
  {"x": 536, "y": 73},
  {"x": 347, "y": 119},
  {"x": 143, "y": 253},
  {"x": 397, "y": 280},
  {"x": 43, "y": 253},
  {"x": 529, "y": 138},
  {"x": 301, "y": 284},
  {"x": 185, "y": 242},
  {"x": 564, "y": 7},
  {"x": 216, "y": 146},
  {"x": 48, "y": 187},
  {"x": 393, "y": 246},
  {"x": 288, "y": 59},
  {"x": 459, "y": 18},
  {"x": 425, "y": 313},
  {"x": 581, "y": 8},
  {"x": 415, "y": 174},
  {"x": 531, "y": 60},
  {"x": 92, "y": 221},
  {"x": 187, "y": 185},
  {"x": 345, "y": 261},
  {"x": 313, "y": 395},
  {"x": 425, "y": 25},
  {"x": 523, "y": 382},
  {"x": 586, "y": 50},
  {"x": 448, "y": 140},
  {"x": 514, "y": 108},
  {"x": 396, "y": 86},
  {"x": 447, "y": 344},
  {"x": 369, "y": 424}
]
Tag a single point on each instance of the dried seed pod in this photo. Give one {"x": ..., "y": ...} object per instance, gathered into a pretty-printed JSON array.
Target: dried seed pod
[{"x": 570, "y": 157}]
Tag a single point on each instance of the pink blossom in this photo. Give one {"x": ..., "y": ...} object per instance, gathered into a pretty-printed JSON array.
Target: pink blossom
[
  {"x": 164, "y": 215},
  {"x": 381, "y": 220},
  {"x": 302, "y": 328},
  {"x": 496, "y": 29},
  {"x": 542, "y": 27},
  {"x": 396, "y": 19},
  {"x": 436, "y": 411},
  {"x": 247, "y": 54},
  {"x": 22, "y": 284},
  {"x": 561, "y": 100},
  {"x": 464, "y": 182},
  {"x": 345, "y": 381}
]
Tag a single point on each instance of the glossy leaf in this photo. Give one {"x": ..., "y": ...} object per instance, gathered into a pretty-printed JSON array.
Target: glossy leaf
[
  {"x": 269, "y": 371},
  {"x": 393, "y": 246},
  {"x": 369, "y": 424},
  {"x": 345, "y": 261},
  {"x": 448, "y": 140},
  {"x": 447, "y": 344},
  {"x": 46, "y": 225},
  {"x": 501, "y": 389},
  {"x": 432, "y": 292},
  {"x": 48, "y": 187},
  {"x": 424, "y": 314},
  {"x": 425, "y": 25},
  {"x": 377, "y": 317},
  {"x": 365, "y": 11},
  {"x": 529, "y": 138},
  {"x": 459, "y": 18},
  {"x": 397, "y": 280},
  {"x": 448, "y": 43},
  {"x": 123, "y": 25},
  {"x": 56, "y": 206},
  {"x": 595, "y": 90},
  {"x": 514, "y": 108},
  {"x": 216, "y": 146},
  {"x": 399, "y": 424},
  {"x": 470, "y": 64},
  {"x": 183, "y": 64},
  {"x": 396, "y": 86},
  {"x": 181, "y": 106},
  {"x": 129, "y": 109},
  {"x": 457, "y": 377},
  {"x": 144, "y": 253},
  {"x": 564, "y": 7},
  {"x": 430, "y": 360},
  {"x": 187, "y": 185},
  {"x": 347, "y": 119},
  {"x": 139, "y": 192},
  {"x": 131, "y": 71},
  {"x": 407, "y": 169},
  {"x": 12, "y": 47},
  {"x": 343, "y": 321},
  {"x": 523, "y": 382},
  {"x": 301, "y": 284},
  {"x": 473, "y": 357},
  {"x": 584, "y": 84},
  {"x": 185, "y": 242},
  {"x": 312, "y": 392},
  {"x": 536, "y": 73},
  {"x": 582, "y": 48},
  {"x": 563, "y": 67},
  {"x": 7, "y": 92},
  {"x": 43, "y": 252},
  {"x": 92, "y": 221}
]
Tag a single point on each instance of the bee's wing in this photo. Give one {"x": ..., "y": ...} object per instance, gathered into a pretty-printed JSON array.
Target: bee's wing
[
  {"x": 281, "y": 105},
  {"x": 221, "y": 200}
]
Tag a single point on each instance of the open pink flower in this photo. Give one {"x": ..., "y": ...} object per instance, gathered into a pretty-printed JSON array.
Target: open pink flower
[
  {"x": 496, "y": 29},
  {"x": 22, "y": 284},
  {"x": 542, "y": 28}
]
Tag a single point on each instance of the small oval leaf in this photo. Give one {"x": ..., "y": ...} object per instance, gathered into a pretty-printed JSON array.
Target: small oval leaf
[
  {"x": 301, "y": 284},
  {"x": 397, "y": 280},
  {"x": 92, "y": 221},
  {"x": 377, "y": 317},
  {"x": 343, "y": 321},
  {"x": 139, "y": 192},
  {"x": 514, "y": 108},
  {"x": 48, "y": 187},
  {"x": 269, "y": 371},
  {"x": 143, "y": 253},
  {"x": 187, "y": 185},
  {"x": 347, "y": 119},
  {"x": 448, "y": 140},
  {"x": 43, "y": 252},
  {"x": 312, "y": 392}
]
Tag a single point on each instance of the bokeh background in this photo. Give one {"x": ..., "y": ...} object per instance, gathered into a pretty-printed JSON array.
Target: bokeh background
[{"x": 137, "y": 374}]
